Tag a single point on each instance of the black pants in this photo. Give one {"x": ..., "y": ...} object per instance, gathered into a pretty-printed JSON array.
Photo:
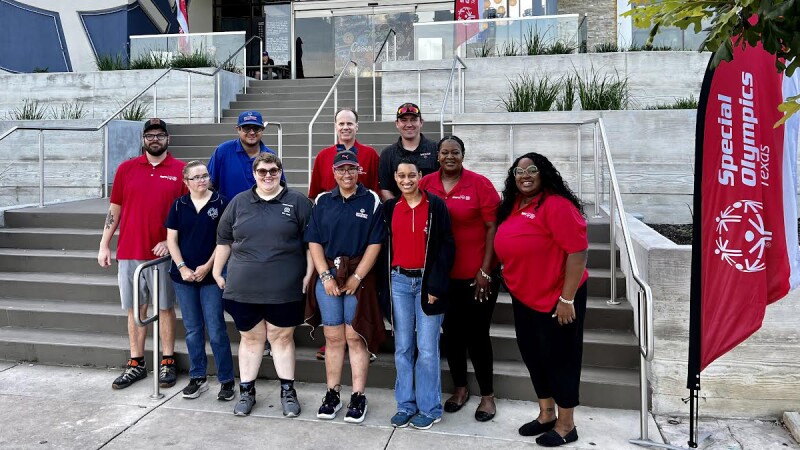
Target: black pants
[
  {"x": 466, "y": 329},
  {"x": 552, "y": 352}
]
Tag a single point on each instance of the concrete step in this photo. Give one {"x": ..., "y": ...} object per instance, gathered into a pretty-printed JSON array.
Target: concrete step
[
  {"x": 346, "y": 93},
  {"x": 277, "y": 114},
  {"x": 323, "y": 125},
  {"x": 53, "y": 261},
  {"x": 309, "y": 82},
  {"x": 270, "y": 102},
  {"x": 599, "y": 314},
  {"x": 63, "y": 286},
  {"x": 231, "y": 117},
  {"x": 84, "y": 214},
  {"x": 53, "y": 238},
  {"x": 601, "y": 387},
  {"x": 320, "y": 140}
]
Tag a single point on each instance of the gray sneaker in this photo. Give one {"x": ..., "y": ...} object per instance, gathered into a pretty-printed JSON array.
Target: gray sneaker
[
  {"x": 289, "y": 403},
  {"x": 245, "y": 404}
]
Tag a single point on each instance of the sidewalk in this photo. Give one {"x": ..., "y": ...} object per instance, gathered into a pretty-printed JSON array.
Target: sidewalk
[{"x": 48, "y": 407}]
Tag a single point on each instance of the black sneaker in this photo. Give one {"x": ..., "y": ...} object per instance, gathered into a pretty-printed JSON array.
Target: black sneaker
[
  {"x": 246, "y": 401},
  {"x": 195, "y": 387},
  {"x": 357, "y": 409},
  {"x": 331, "y": 404},
  {"x": 168, "y": 374},
  {"x": 133, "y": 373},
  {"x": 227, "y": 391}
]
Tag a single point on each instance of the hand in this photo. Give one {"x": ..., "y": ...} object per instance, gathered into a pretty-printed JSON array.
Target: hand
[
  {"x": 187, "y": 274},
  {"x": 306, "y": 282},
  {"x": 331, "y": 288},
  {"x": 565, "y": 313},
  {"x": 482, "y": 288},
  {"x": 432, "y": 299},
  {"x": 201, "y": 271},
  {"x": 104, "y": 257},
  {"x": 161, "y": 249},
  {"x": 351, "y": 286},
  {"x": 220, "y": 281}
]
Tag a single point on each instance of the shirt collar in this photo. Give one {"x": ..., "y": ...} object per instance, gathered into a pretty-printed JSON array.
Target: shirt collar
[
  {"x": 353, "y": 149},
  {"x": 254, "y": 198},
  {"x": 404, "y": 204},
  {"x": 165, "y": 163},
  {"x": 240, "y": 148},
  {"x": 360, "y": 190}
]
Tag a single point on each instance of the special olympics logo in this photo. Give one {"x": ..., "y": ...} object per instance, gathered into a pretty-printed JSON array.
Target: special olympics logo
[
  {"x": 741, "y": 236},
  {"x": 213, "y": 213},
  {"x": 465, "y": 13}
]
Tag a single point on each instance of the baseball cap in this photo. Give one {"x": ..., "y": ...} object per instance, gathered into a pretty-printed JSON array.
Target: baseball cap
[
  {"x": 250, "y": 118},
  {"x": 345, "y": 157},
  {"x": 155, "y": 123},
  {"x": 408, "y": 108}
]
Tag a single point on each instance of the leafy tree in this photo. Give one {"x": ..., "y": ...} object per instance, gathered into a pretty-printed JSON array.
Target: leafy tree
[{"x": 776, "y": 26}]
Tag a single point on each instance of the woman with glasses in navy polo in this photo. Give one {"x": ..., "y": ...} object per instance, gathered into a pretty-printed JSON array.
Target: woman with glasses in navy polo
[
  {"x": 191, "y": 239},
  {"x": 542, "y": 231},
  {"x": 421, "y": 252}
]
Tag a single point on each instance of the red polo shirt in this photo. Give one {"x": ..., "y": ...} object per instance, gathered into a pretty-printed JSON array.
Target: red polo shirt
[
  {"x": 533, "y": 246},
  {"x": 322, "y": 174},
  {"x": 145, "y": 192},
  {"x": 410, "y": 234},
  {"x": 472, "y": 202}
]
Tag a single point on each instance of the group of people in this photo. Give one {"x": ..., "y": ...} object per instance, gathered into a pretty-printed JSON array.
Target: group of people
[{"x": 409, "y": 237}]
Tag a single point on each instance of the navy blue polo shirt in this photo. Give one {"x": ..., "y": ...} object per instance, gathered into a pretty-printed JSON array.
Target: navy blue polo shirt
[
  {"x": 231, "y": 169},
  {"x": 197, "y": 232},
  {"x": 346, "y": 226}
]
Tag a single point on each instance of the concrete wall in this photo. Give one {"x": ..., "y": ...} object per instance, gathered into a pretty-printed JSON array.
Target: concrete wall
[
  {"x": 201, "y": 16},
  {"x": 102, "y": 93},
  {"x": 758, "y": 378},
  {"x": 488, "y": 78},
  {"x": 653, "y": 153},
  {"x": 601, "y": 17}
]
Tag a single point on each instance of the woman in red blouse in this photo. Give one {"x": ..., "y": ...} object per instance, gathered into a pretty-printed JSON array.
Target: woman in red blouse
[
  {"x": 542, "y": 245},
  {"x": 472, "y": 202}
]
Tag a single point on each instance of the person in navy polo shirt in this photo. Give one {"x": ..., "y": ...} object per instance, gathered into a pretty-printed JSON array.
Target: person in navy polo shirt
[
  {"x": 144, "y": 189},
  {"x": 191, "y": 238},
  {"x": 541, "y": 230},
  {"x": 344, "y": 237},
  {"x": 231, "y": 164}
]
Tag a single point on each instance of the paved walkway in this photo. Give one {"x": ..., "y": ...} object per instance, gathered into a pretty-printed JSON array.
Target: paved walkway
[{"x": 49, "y": 407}]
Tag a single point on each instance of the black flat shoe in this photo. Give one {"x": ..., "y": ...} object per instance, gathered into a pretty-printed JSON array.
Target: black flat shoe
[
  {"x": 553, "y": 439},
  {"x": 451, "y": 406},
  {"x": 483, "y": 416},
  {"x": 534, "y": 427}
]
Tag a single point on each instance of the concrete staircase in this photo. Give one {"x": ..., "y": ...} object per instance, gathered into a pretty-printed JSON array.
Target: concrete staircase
[{"x": 58, "y": 306}]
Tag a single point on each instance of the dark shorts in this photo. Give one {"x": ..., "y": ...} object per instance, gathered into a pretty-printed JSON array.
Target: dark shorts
[{"x": 248, "y": 315}]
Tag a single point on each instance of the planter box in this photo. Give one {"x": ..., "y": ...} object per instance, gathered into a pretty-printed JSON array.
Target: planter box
[
  {"x": 102, "y": 93},
  {"x": 758, "y": 378}
]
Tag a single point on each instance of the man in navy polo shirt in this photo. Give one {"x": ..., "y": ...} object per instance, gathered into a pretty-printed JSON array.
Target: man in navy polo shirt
[{"x": 231, "y": 164}]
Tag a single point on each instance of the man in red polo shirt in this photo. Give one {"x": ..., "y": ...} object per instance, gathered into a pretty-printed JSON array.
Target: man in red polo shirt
[{"x": 144, "y": 189}]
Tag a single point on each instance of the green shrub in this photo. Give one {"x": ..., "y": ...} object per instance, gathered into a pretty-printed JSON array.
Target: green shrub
[
  {"x": 508, "y": 49},
  {"x": 567, "y": 99},
  {"x": 231, "y": 66},
  {"x": 30, "y": 110},
  {"x": 650, "y": 48},
  {"x": 138, "y": 111},
  {"x": 606, "y": 47},
  {"x": 680, "y": 103},
  {"x": 484, "y": 51},
  {"x": 532, "y": 43},
  {"x": 110, "y": 62},
  {"x": 150, "y": 60},
  {"x": 560, "y": 47},
  {"x": 68, "y": 111},
  {"x": 602, "y": 91},
  {"x": 530, "y": 93},
  {"x": 198, "y": 58}
]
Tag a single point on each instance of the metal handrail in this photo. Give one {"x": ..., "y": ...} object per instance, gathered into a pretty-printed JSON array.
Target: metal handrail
[
  {"x": 645, "y": 293},
  {"x": 374, "y": 97},
  {"x": 419, "y": 77},
  {"x": 105, "y": 122},
  {"x": 154, "y": 319},
  {"x": 334, "y": 90},
  {"x": 456, "y": 59}
]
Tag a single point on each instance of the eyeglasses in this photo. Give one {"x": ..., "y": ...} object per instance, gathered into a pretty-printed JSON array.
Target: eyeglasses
[
  {"x": 202, "y": 177},
  {"x": 411, "y": 176},
  {"x": 272, "y": 172},
  {"x": 530, "y": 170},
  {"x": 348, "y": 170},
  {"x": 251, "y": 129},
  {"x": 153, "y": 137},
  {"x": 407, "y": 109}
]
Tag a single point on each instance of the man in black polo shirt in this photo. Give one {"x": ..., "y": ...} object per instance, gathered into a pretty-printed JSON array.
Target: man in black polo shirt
[{"x": 411, "y": 144}]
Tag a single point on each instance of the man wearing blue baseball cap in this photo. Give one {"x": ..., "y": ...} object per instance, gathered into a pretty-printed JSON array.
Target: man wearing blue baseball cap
[{"x": 231, "y": 164}]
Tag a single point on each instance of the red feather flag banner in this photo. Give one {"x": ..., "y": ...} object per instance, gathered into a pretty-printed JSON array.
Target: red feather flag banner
[
  {"x": 745, "y": 245},
  {"x": 466, "y": 10}
]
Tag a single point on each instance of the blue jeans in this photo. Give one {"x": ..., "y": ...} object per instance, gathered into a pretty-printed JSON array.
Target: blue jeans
[
  {"x": 335, "y": 310},
  {"x": 202, "y": 309},
  {"x": 419, "y": 386}
]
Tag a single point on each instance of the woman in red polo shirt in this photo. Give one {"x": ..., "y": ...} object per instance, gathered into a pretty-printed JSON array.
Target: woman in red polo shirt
[
  {"x": 542, "y": 246},
  {"x": 472, "y": 202}
]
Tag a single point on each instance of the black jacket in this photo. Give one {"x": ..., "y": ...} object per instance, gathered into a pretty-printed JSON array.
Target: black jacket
[{"x": 439, "y": 254}]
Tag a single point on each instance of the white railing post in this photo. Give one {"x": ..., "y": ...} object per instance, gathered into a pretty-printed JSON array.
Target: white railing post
[
  {"x": 189, "y": 95},
  {"x": 41, "y": 168}
]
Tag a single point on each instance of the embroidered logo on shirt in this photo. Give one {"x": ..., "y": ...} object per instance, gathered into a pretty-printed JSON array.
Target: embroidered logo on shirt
[
  {"x": 362, "y": 214},
  {"x": 287, "y": 210},
  {"x": 213, "y": 213},
  {"x": 529, "y": 215},
  {"x": 461, "y": 197},
  {"x": 169, "y": 177},
  {"x": 425, "y": 155}
]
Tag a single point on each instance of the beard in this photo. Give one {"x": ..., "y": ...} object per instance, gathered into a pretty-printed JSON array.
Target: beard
[{"x": 157, "y": 152}]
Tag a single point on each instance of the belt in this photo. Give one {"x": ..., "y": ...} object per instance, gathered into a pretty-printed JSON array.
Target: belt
[{"x": 414, "y": 273}]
